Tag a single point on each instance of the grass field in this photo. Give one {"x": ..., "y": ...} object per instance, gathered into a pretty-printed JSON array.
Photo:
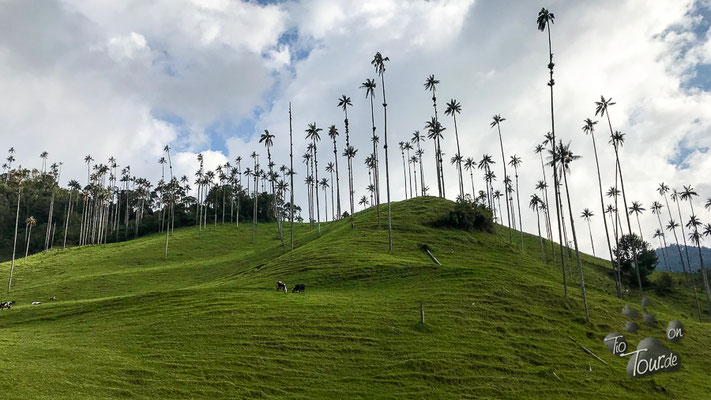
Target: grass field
[{"x": 207, "y": 322}]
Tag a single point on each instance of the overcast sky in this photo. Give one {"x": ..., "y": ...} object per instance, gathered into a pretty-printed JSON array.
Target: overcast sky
[{"x": 124, "y": 78}]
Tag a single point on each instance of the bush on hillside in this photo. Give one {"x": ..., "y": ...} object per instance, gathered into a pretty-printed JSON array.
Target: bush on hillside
[
  {"x": 664, "y": 285},
  {"x": 468, "y": 216},
  {"x": 646, "y": 257}
]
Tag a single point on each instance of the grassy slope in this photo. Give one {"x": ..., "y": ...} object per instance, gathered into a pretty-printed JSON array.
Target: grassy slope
[{"x": 208, "y": 323}]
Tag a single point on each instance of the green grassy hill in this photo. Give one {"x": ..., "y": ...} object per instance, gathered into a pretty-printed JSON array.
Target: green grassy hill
[{"x": 207, "y": 323}]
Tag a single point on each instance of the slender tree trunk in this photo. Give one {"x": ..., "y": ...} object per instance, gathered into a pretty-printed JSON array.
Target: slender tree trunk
[
  {"x": 404, "y": 174},
  {"x": 518, "y": 202},
  {"x": 387, "y": 168},
  {"x": 318, "y": 210},
  {"x": 66, "y": 223},
  {"x": 616, "y": 270},
  {"x": 503, "y": 158},
  {"x": 592, "y": 243},
  {"x": 459, "y": 158},
  {"x": 543, "y": 252},
  {"x": 577, "y": 253},
  {"x": 376, "y": 181},
  {"x": 291, "y": 174},
  {"x": 14, "y": 243},
  {"x": 29, "y": 237}
]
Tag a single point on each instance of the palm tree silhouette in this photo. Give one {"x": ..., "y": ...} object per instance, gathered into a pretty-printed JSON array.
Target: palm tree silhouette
[
  {"x": 657, "y": 210},
  {"x": 349, "y": 152},
  {"x": 694, "y": 223},
  {"x": 312, "y": 132},
  {"x": 535, "y": 204},
  {"x": 617, "y": 140},
  {"x": 516, "y": 162},
  {"x": 268, "y": 140},
  {"x": 497, "y": 120},
  {"x": 404, "y": 168},
  {"x": 333, "y": 134},
  {"x": 330, "y": 168},
  {"x": 454, "y": 108},
  {"x": 544, "y": 192},
  {"x": 417, "y": 138},
  {"x": 369, "y": 86},
  {"x": 324, "y": 187},
  {"x": 431, "y": 85},
  {"x": 544, "y": 21},
  {"x": 470, "y": 165},
  {"x": 29, "y": 223},
  {"x": 413, "y": 161},
  {"x": 637, "y": 209},
  {"x": 587, "y": 214},
  {"x": 363, "y": 201},
  {"x": 379, "y": 64},
  {"x": 566, "y": 157},
  {"x": 589, "y": 129}
]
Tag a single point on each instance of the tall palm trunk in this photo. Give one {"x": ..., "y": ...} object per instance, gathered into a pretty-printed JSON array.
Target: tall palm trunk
[
  {"x": 471, "y": 176},
  {"x": 333, "y": 206},
  {"x": 350, "y": 168},
  {"x": 683, "y": 235},
  {"x": 624, "y": 202},
  {"x": 518, "y": 202},
  {"x": 422, "y": 170},
  {"x": 404, "y": 173},
  {"x": 291, "y": 175},
  {"x": 459, "y": 159},
  {"x": 338, "y": 213},
  {"x": 376, "y": 182},
  {"x": 254, "y": 209},
  {"x": 49, "y": 221},
  {"x": 551, "y": 83},
  {"x": 503, "y": 158},
  {"x": 592, "y": 243},
  {"x": 387, "y": 168},
  {"x": 538, "y": 219},
  {"x": 318, "y": 211},
  {"x": 616, "y": 270},
  {"x": 548, "y": 205},
  {"x": 577, "y": 252},
  {"x": 663, "y": 241},
  {"x": 66, "y": 222},
  {"x": 14, "y": 243}
]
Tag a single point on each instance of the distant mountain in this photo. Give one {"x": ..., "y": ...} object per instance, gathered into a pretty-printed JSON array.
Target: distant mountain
[{"x": 673, "y": 258}]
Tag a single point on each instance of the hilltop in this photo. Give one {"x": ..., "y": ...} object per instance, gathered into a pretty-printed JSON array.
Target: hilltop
[{"x": 207, "y": 322}]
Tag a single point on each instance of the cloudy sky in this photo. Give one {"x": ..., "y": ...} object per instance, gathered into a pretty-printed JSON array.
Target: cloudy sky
[{"x": 124, "y": 78}]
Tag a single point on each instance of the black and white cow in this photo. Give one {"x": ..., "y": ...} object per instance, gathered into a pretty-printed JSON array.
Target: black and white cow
[
  {"x": 299, "y": 288},
  {"x": 281, "y": 287},
  {"x": 6, "y": 304}
]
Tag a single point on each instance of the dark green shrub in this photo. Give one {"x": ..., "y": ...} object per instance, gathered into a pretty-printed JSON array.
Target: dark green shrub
[
  {"x": 468, "y": 216},
  {"x": 664, "y": 285}
]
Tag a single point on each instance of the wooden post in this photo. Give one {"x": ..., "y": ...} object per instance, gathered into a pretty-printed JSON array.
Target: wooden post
[{"x": 422, "y": 314}]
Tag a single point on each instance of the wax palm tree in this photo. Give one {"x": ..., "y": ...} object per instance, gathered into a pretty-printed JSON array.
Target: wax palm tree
[
  {"x": 688, "y": 194},
  {"x": 485, "y": 164},
  {"x": 589, "y": 129},
  {"x": 470, "y": 165},
  {"x": 566, "y": 157},
  {"x": 369, "y": 85},
  {"x": 497, "y": 197},
  {"x": 268, "y": 140},
  {"x": 330, "y": 168},
  {"x": 363, "y": 201},
  {"x": 617, "y": 140},
  {"x": 404, "y": 168},
  {"x": 74, "y": 187},
  {"x": 676, "y": 196},
  {"x": 349, "y": 152},
  {"x": 542, "y": 186},
  {"x": 417, "y": 138},
  {"x": 544, "y": 192},
  {"x": 544, "y": 21},
  {"x": 659, "y": 235},
  {"x": 637, "y": 209},
  {"x": 407, "y": 147},
  {"x": 516, "y": 162},
  {"x": 17, "y": 222},
  {"x": 431, "y": 85},
  {"x": 379, "y": 64},
  {"x": 454, "y": 108},
  {"x": 586, "y": 215},
  {"x": 291, "y": 178},
  {"x": 413, "y": 161},
  {"x": 694, "y": 235},
  {"x": 497, "y": 120},
  {"x": 44, "y": 156},
  {"x": 255, "y": 175},
  {"x": 29, "y": 223},
  {"x": 434, "y": 132},
  {"x": 535, "y": 204},
  {"x": 657, "y": 210},
  {"x": 333, "y": 134},
  {"x": 324, "y": 186},
  {"x": 313, "y": 133}
]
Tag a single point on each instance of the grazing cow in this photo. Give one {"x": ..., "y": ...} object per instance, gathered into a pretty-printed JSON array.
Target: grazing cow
[
  {"x": 7, "y": 304},
  {"x": 35, "y": 303},
  {"x": 298, "y": 288},
  {"x": 281, "y": 287},
  {"x": 53, "y": 298}
]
